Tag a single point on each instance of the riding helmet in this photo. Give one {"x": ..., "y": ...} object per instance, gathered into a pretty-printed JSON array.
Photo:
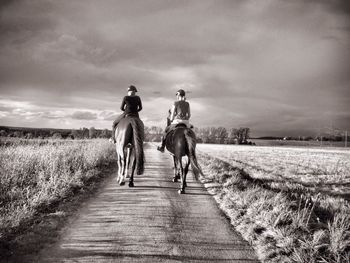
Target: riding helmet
[
  {"x": 181, "y": 92},
  {"x": 132, "y": 88}
]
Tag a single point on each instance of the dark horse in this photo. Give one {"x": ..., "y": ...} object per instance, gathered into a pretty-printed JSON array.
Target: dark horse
[
  {"x": 182, "y": 142},
  {"x": 129, "y": 136}
]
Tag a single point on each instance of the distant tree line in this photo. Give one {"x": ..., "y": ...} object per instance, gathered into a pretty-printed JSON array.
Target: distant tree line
[
  {"x": 42, "y": 133},
  {"x": 219, "y": 135}
]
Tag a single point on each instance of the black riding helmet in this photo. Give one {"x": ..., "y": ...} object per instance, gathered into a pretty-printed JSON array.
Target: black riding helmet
[
  {"x": 181, "y": 92},
  {"x": 132, "y": 88}
]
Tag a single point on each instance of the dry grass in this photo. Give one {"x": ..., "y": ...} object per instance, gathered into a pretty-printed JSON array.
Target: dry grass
[
  {"x": 35, "y": 174},
  {"x": 283, "y": 225}
]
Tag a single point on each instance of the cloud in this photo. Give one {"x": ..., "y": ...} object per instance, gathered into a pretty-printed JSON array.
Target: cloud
[
  {"x": 241, "y": 62},
  {"x": 108, "y": 115},
  {"x": 84, "y": 115}
]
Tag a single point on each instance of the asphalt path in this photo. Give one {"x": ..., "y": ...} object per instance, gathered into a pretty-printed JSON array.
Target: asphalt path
[{"x": 150, "y": 223}]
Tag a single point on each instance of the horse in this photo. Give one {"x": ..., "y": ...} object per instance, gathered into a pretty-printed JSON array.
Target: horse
[
  {"x": 129, "y": 135},
  {"x": 182, "y": 142}
]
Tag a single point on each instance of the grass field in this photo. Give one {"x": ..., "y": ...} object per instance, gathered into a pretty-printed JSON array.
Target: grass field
[
  {"x": 291, "y": 203},
  {"x": 294, "y": 143},
  {"x": 325, "y": 170},
  {"x": 34, "y": 174}
]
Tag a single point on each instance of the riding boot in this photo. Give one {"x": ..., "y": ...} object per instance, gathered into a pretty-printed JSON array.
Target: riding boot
[{"x": 162, "y": 147}]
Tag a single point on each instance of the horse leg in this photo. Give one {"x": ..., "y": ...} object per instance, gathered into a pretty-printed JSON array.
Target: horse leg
[
  {"x": 186, "y": 171},
  {"x": 119, "y": 166},
  {"x": 131, "y": 180},
  {"x": 182, "y": 190},
  {"x": 122, "y": 168},
  {"x": 176, "y": 177},
  {"x": 177, "y": 173},
  {"x": 128, "y": 153}
]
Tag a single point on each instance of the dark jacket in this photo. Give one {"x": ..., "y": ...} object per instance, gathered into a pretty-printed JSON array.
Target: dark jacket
[{"x": 131, "y": 104}]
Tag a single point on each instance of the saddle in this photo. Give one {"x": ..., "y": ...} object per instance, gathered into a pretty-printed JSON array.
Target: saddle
[
  {"x": 173, "y": 127},
  {"x": 132, "y": 115}
]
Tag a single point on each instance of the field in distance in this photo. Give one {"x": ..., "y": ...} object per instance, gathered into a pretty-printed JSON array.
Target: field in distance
[
  {"x": 325, "y": 170},
  {"x": 300, "y": 143}
]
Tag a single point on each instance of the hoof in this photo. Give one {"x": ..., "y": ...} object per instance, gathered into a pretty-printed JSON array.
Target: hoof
[
  {"x": 131, "y": 184},
  {"x": 181, "y": 192},
  {"x": 122, "y": 183},
  {"x": 175, "y": 180}
]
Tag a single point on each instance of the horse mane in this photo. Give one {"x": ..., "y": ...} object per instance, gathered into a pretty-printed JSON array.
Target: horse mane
[
  {"x": 138, "y": 135},
  {"x": 191, "y": 143}
]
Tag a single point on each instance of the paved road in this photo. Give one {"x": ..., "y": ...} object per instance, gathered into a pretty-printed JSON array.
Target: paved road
[{"x": 150, "y": 223}]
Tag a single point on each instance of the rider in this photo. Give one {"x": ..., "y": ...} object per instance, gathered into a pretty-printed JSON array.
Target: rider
[
  {"x": 180, "y": 113},
  {"x": 131, "y": 105}
]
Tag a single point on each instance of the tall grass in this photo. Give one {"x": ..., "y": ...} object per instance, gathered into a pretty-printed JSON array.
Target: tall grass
[
  {"x": 36, "y": 174},
  {"x": 283, "y": 225}
]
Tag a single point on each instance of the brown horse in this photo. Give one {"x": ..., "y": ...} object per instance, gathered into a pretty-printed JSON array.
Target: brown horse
[
  {"x": 182, "y": 142},
  {"x": 129, "y": 136}
]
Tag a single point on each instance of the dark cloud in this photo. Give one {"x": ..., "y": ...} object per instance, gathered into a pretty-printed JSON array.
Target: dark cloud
[
  {"x": 337, "y": 6},
  {"x": 4, "y": 4}
]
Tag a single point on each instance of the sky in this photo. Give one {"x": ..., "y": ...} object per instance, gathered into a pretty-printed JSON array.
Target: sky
[{"x": 279, "y": 67}]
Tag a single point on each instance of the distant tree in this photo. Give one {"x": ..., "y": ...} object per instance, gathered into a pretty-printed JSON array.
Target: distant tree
[
  {"x": 3, "y": 133},
  {"x": 29, "y": 136},
  {"x": 153, "y": 134},
  {"x": 198, "y": 136},
  {"x": 204, "y": 134},
  {"x": 232, "y": 135},
  {"x": 156, "y": 130},
  {"x": 76, "y": 134},
  {"x": 243, "y": 135},
  {"x": 92, "y": 132},
  {"x": 85, "y": 133},
  {"x": 70, "y": 136},
  {"x": 146, "y": 129},
  {"x": 56, "y": 135},
  {"x": 212, "y": 134},
  {"x": 240, "y": 135},
  {"x": 18, "y": 134},
  {"x": 221, "y": 134},
  {"x": 105, "y": 134}
]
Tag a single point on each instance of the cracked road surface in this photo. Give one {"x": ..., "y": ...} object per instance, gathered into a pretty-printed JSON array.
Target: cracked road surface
[{"x": 150, "y": 223}]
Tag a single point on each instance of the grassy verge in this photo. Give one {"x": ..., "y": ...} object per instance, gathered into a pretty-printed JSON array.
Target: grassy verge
[
  {"x": 283, "y": 225},
  {"x": 35, "y": 177}
]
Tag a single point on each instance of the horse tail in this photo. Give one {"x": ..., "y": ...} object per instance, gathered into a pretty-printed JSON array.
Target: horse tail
[
  {"x": 138, "y": 134},
  {"x": 191, "y": 142}
]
